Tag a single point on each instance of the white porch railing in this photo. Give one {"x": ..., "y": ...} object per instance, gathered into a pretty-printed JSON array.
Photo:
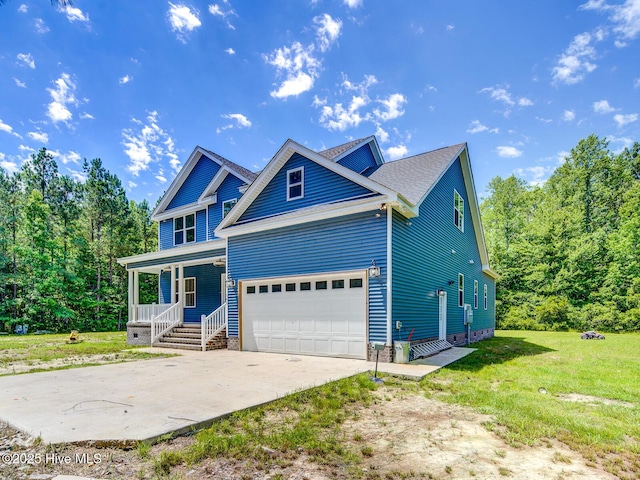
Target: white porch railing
[
  {"x": 145, "y": 313},
  {"x": 213, "y": 324},
  {"x": 164, "y": 322}
]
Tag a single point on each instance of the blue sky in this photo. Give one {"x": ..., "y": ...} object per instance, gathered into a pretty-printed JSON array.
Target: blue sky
[{"x": 140, "y": 84}]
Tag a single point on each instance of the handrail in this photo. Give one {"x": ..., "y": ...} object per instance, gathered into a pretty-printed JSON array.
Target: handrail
[
  {"x": 212, "y": 324},
  {"x": 164, "y": 322},
  {"x": 144, "y": 313}
]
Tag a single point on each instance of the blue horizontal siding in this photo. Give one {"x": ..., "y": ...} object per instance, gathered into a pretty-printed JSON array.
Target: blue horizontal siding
[
  {"x": 227, "y": 190},
  {"x": 166, "y": 234},
  {"x": 360, "y": 161},
  {"x": 321, "y": 185},
  {"x": 423, "y": 263},
  {"x": 199, "y": 177},
  {"x": 166, "y": 231},
  {"x": 346, "y": 243},
  {"x": 208, "y": 293}
]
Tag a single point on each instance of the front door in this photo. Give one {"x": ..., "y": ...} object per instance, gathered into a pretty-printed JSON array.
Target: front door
[{"x": 442, "y": 315}]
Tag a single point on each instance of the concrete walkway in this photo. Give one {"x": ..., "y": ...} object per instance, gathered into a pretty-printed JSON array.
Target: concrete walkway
[{"x": 147, "y": 399}]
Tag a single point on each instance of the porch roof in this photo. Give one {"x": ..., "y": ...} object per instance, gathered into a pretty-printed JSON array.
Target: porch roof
[{"x": 152, "y": 262}]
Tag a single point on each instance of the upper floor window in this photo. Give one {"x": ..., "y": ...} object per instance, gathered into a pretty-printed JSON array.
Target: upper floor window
[
  {"x": 227, "y": 206},
  {"x": 458, "y": 210},
  {"x": 460, "y": 290},
  {"x": 184, "y": 229},
  {"x": 295, "y": 183}
]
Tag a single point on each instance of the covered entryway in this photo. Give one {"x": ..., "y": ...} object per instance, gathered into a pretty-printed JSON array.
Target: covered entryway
[{"x": 313, "y": 315}]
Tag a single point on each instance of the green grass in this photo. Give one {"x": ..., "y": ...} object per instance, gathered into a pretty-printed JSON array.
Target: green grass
[
  {"x": 35, "y": 349},
  {"x": 504, "y": 377}
]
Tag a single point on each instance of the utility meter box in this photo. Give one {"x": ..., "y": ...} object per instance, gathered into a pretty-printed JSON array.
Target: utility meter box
[
  {"x": 468, "y": 314},
  {"x": 401, "y": 351}
]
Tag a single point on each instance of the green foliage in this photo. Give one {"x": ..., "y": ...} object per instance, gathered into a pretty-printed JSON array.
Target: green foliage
[{"x": 568, "y": 253}]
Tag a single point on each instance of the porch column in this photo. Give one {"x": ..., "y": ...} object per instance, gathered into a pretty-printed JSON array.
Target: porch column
[
  {"x": 132, "y": 308},
  {"x": 172, "y": 299},
  {"x": 181, "y": 291},
  {"x": 136, "y": 293}
]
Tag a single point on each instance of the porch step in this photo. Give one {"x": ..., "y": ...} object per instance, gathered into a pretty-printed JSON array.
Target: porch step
[
  {"x": 181, "y": 346},
  {"x": 188, "y": 337},
  {"x": 429, "y": 348}
]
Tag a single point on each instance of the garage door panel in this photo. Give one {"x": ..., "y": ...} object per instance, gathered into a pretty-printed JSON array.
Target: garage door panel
[{"x": 318, "y": 321}]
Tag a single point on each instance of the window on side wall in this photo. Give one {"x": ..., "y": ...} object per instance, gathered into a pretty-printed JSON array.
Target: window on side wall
[
  {"x": 460, "y": 290},
  {"x": 475, "y": 294},
  {"x": 184, "y": 229},
  {"x": 458, "y": 210},
  {"x": 227, "y": 206},
  {"x": 295, "y": 183},
  {"x": 485, "y": 297},
  {"x": 189, "y": 292}
]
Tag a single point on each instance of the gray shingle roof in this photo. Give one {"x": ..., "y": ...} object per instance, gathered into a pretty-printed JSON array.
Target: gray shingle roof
[
  {"x": 413, "y": 177},
  {"x": 333, "y": 152},
  {"x": 248, "y": 174}
]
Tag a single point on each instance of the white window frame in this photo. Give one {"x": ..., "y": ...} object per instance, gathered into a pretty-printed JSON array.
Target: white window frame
[
  {"x": 187, "y": 292},
  {"x": 458, "y": 210},
  {"x": 486, "y": 300},
  {"x": 184, "y": 229},
  {"x": 475, "y": 294},
  {"x": 234, "y": 200},
  {"x": 461, "y": 290},
  {"x": 290, "y": 185}
]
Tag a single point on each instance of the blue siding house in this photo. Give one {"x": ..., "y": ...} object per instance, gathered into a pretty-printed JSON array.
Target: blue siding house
[{"x": 322, "y": 253}]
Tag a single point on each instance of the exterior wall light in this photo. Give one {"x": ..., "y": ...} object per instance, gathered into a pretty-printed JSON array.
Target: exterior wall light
[
  {"x": 471, "y": 262},
  {"x": 230, "y": 283},
  {"x": 374, "y": 270}
]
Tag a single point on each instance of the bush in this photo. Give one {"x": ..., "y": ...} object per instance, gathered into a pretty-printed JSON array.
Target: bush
[
  {"x": 598, "y": 316},
  {"x": 554, "y": 313},
  {"x": 519, "y": 317}
]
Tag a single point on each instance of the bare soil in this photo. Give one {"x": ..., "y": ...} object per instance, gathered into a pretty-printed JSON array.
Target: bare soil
[{"x": 402, "y": 435}]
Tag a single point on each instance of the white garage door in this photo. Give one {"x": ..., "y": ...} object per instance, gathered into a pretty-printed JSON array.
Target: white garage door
[{"x": 312, "y": 315}]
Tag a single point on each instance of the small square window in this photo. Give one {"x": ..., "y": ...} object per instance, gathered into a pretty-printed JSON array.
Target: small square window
[
  {"x": 337, "y": 284},
  {"x": 264, "y": 288},
  {"x": 305, "y": 285},
  {"x": 290, "y": 287},
  {"x": 355, "y": 283},
  {"x": 251, "y": 289},
  {"x": 276, "y": 288},
  {"x": 321, "y": 285}
]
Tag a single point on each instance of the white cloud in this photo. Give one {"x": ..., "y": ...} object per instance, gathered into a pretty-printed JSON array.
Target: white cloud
[
  {"x": 602, "y": 106},
  {"x": 508, "y": 152},
  {"x": 150, "y": 144},
  {"x": 499, "y": 94},
  {"x": 41, "y": 27},
  {"x": 40, "y": 137},
  {"x": 636, "y": 83},
  {"x": 26, "y": 148},
  {"x": 524, "y": 102},
  {"x": 74, "y": 14},
  {"x": 240, "y": 122},
  {"x": 450, "y": 27},
  {"x": 7, "y": 128},
  {"x": 396, "y": 152},
  {"x": 124, "y": 80},
  {"x": 544, "y": 120},
  {"x": 624, "y": 142},
  {"x": 477, "y": 127},
  {"x": 70, "y": 157},
  {"x": 230, "y": 51},
  {"x": 393, "y": 104},
  {"x": 623, "y": 120},
  {"x": 78, "y": 176},
  {"x": 23, "y": 8},
  {"x": 19, "y": 83},
  {"x": 625, "y": 17},
  {"x": 8, "y": 166},
  {"x": 537, "y": 175},
  {"x": 26, "y": 60},
  {"x": 327, "y": 30},
  {"x": 299, "y": 66},
  {"x": 575, "y": 62},
  {"x": 382, "y": 134},
  {"x": 363, "y": 87},
  {"x": 182, "y": 20},
  {"x": 353, "y": 3},
  {"x": 216, "y": 11},
  {"x": 340, "y": 118},
  {"x": 62, "y": 96},
  {"x": 131, "y": 184},
  {"x": 86, "y": 116},
  {"x": 568, "y": 115},
  {"x": 161, "y": 178}
]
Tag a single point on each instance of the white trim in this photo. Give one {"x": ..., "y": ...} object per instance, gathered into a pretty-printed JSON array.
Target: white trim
[
  {"x": 302, "y": 216},
  {"x": 476, "y": 294},
  {"x": 195, "y": 295},
  {"x": 372, "y": 141},
  {"x": 461, "y": 300},
  {"x": 227, "y": 201},
  {"x": 167, "y": 253},
  {"x": 215, "y": 183},
  {"x": 485, "y": 297},
  {"x": 290, "y": 185},
  {"x": 460, "y": 199},
  {"x": 389, "y": 273},
  {"x": 184, "y": 210},
  {"x": 184, "y": 229}
]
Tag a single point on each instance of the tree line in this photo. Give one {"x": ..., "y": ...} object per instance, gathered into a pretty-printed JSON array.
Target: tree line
[
  {"x": 568, "y": 252},
  {"x": 59, "y": 241}
]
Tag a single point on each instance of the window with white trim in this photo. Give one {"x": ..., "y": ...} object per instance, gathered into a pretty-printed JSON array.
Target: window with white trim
[
  {"x": 189, "y": 292},
  {"x": 227, "y": 206},
  {"x": 184, "y": 229},
  {"x": 295, "y": 183},
  {"x": 485, "y": 297},
  {"x": 458, "y": 210},
  {"x": 460, "y": 290},
  {"x": 475, "y": 294}
]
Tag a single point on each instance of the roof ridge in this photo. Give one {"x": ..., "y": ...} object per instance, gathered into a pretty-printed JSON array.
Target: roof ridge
[
  {"x": 242, "y": 170},
  {"x": 457, "y": 145},
  {"x": 338, "y": 149}
]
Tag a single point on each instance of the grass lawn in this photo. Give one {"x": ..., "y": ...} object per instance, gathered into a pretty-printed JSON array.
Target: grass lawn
[
  {"x": 39, "y": 352},
  {"x": 553, "y": 385}
]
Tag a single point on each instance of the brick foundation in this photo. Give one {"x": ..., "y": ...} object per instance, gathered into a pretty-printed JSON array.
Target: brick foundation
[
  {"x": 460, "y": 339},
  {"x": 218, "y": 342},
  {"x": 233, "y": 343},
  {"x": 384, "y": 356},
  {"x": 138, "y": 333}
]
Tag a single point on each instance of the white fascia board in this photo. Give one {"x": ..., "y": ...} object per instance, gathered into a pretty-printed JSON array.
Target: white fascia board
[
  {"x": 487, "y": 269},
  {"x": 184, "y": 210},
  {"x": 278, "y": 161},
  {"x": 298, "y": 217},
  {"x": 215, "y": 183},
  {"x": 170, "y": 252},
  {"x": 375, "y": 149},
  {"x": 178, "y": 181}
]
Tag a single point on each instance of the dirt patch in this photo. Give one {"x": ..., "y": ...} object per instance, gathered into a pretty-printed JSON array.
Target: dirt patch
[
  {"x": 401, "y": 435},
  {"x": 594, "y": 401}
]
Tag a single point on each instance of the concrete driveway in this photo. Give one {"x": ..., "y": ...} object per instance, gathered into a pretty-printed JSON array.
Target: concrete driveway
[{"x": 146, "y": 399}]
